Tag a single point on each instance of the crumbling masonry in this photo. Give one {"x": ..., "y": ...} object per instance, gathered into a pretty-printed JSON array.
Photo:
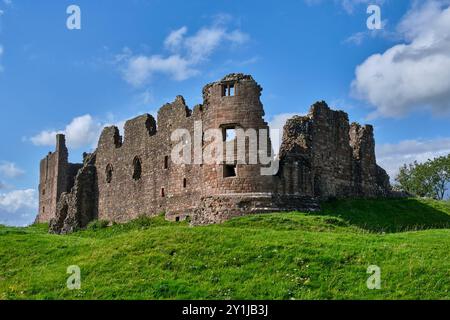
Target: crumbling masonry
[{"x": 322, "y": 156}]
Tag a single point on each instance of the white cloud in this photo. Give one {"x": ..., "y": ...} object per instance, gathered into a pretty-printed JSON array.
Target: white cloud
[
  {"x": 141, "y": 68},
  {"x": 237, "y": 37},
  {"x": 10, "y": 170},
  {"x": 187, "y": 52},
  {"x": 123, "y": 56},
  {"x": 414, "y": 75},
  {"x": 201, "y": 45},
  {"x": 84, "y": 131},
  {"x": 276, "y": 125},
  {"x": 175, "y": 38},
  {"x": 45, "y": 138},
  {"x": 18, "y": 199},
  {"x": 392, "y": 156},
  {"x": 359, "y": 37},
  {"x": 80, "y": 132},
  {"x": 18, "y": 207}
]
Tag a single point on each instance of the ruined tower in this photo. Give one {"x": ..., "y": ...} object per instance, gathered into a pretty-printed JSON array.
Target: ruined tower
[
  {"x": 233, "y": 107},
  {"x": 236, "y": 184},
  {"x": 339, "y": 157},
  {"x": 56, "y": 176}
]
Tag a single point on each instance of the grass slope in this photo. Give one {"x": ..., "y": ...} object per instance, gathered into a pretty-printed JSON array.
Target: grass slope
[{"x": 277, "y": 256}]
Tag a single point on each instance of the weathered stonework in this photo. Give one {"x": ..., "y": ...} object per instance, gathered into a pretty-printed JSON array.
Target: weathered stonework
[
  {"x": 78, "y": 207},
  {"x": 321, "y": 156}
]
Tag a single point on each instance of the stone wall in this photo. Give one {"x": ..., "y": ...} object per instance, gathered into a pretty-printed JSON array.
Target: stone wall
[
  {"x": 161, "y": 185},
  {"x": 321, "y": 156}
]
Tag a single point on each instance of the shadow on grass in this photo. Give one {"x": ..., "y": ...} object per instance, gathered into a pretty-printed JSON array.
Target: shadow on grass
[{"x": 390, "y": 215}]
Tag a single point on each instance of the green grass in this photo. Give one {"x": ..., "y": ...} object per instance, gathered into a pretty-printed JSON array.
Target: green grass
[{"x": 275, "y": 256}]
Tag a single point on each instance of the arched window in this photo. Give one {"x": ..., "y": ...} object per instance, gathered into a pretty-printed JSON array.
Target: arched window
[
  {"x": 109, "y": 173},
  {"x": 137, "y": 168}
]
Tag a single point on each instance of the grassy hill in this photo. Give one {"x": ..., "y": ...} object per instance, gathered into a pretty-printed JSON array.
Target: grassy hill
[{"x": 323, "y": 255}]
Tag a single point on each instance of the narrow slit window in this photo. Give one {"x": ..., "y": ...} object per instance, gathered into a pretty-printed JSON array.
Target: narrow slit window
[
  {"x": 163, "y": 193},
  {"x": 109, "y": 173},
  {"x": 166, "y": 162},
  {"x": 137, "y": 169},
  {"x": 184, "y": 183}
]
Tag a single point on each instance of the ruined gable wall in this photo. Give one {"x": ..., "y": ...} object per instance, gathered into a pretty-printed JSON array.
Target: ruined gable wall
[
  {"x": 364, "y": 170},
  {"x": 331, "y": 153},
  {"x": 47, "y": 187},
  {"x": 56, "y": 176},
  {"x": 369, "y": 178},
  {"x": 337, "y": 159},
  {"x": 296, "y": 171}
]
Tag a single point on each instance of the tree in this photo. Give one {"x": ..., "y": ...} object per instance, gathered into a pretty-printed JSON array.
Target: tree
[
  {"x": 440, "y": 176},
  {"x": 429, "y": 179}
]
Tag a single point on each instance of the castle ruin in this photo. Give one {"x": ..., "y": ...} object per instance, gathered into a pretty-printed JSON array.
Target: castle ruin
[{"x": 321, "y": 156}]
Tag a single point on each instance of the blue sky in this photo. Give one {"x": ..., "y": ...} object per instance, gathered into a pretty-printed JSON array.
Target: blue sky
[{"x": 132, "y": 56}]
